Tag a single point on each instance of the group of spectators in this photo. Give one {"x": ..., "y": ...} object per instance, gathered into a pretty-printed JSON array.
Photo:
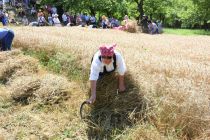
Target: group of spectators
[
  {"x": 151, "y": 27},
  {"x": 48, "y": 16}
]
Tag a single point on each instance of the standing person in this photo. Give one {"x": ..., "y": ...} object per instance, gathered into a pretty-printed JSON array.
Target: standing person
[
  {"x": 144, "y": 24},
  {"x": 2, "y": 18},
  {"x": 160, "y": 27},
  {"x": 49, "y": 9},
  {"x": 54, "y": 10},
  {"x": 83, "y": 18},
  {"x": 6, "y": 38},
  {"x": 65, "y": 19},
  {"x": 6, "y": 17},
  {"x": 106, "y": 61},
  {"x": 46, "y": 13},
  {"x": 27, "y": 3},
  {"x": 33, "y": 11}
]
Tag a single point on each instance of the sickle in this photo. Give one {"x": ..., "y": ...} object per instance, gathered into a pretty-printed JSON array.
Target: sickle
[{"x": 81, "y": 108}]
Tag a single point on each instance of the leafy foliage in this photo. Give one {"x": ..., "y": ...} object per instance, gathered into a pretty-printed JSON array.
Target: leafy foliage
[{"x": 174, "y": 13}]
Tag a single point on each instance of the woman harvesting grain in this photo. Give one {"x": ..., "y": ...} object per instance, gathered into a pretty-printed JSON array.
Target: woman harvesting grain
[{"x": 106, "y": 61}]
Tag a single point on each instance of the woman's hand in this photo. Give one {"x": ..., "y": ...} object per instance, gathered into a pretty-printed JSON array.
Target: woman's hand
[
  {"x": 92, "y": 99},
  {"x": 122, "y": 88},
  {"x": 121, "y": 83}
]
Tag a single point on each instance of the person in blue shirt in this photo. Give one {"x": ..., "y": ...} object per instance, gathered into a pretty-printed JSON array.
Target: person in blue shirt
[{"x": 6, "y": 38}]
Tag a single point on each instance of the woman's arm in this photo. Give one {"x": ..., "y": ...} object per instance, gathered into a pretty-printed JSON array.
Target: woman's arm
[{"x": 93, "y": 92}]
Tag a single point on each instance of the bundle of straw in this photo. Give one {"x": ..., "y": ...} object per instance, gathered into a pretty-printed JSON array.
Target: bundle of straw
[
  {"x": 131, "y": 27},
  {"x": 49, "y": 89}
]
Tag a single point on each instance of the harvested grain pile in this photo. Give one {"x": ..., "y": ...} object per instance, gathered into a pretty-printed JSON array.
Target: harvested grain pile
[
  {"x": 115, "y": 111},
  {"x": 131, "y": 27},
  {"x": 14, "y": 64},
  {"x": 47, "y": 89},
  {"x": 21, "y": 75},
  {"x": 23, "y": 88},
  {"x": 33, "y": 100},
  {"x": 53, "y": 89}
]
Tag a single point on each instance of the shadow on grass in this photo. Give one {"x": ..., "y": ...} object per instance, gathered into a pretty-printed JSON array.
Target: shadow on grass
[{"x": 112, "y": 113}]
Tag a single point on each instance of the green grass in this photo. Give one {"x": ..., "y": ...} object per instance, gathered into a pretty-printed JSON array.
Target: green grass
[
  {"x": 60, "y": 63},
  {"x": 185, "y": 31}
]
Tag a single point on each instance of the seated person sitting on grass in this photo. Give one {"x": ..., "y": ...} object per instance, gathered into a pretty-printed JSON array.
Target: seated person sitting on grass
[
  {"x": 106, "y": 61},
  {"x": 153, "y": 29},
  {"x": 6, "y": 38},
  {"x": 93, "y": 21},
  {"x": 25, "y": 21},
  {"x": 114, "y": 23},
  {"x": 124, "y": 25},
  {"x": 105, "y": 22},
  {"x": 41, "y": 19},
  {"x": 56, "y": 21}
]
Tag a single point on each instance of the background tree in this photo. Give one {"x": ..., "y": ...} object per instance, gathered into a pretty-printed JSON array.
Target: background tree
[{"x": 173, "y": 13}]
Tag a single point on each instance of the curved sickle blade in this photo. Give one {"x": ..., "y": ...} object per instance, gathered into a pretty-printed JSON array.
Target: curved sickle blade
[{"x": 81, "y": 108}]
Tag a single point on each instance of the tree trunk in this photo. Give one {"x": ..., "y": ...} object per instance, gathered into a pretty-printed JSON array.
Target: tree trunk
[
  {"x": 60, "y": 11},
  {"x": 92, "y": 11},
  {"x": 140, "y": 8},
  {"x": 150, "y": 16},
  {"x": 205, "y": 25}
]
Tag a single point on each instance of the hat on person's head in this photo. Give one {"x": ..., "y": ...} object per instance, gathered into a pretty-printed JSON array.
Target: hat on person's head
[
  {"x": 56, "y": 15},
  {"x": 107, "y": 50}
]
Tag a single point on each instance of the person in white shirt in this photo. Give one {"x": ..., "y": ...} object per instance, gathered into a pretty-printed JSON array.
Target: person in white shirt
[
  {"x": 106, "y": 61},
  {"x": 56, "y": 21}
]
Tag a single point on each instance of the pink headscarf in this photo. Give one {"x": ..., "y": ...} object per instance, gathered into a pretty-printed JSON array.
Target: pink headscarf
[{"x": 107, "y": 50}]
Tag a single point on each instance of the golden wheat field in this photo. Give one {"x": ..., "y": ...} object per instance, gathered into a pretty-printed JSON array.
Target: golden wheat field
[{"x": 168, "y": 87}]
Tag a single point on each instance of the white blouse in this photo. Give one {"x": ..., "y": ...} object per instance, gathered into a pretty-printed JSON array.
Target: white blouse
[
  {"x": 97, "y": 66},
  {"x": 56, "y": 21}
]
